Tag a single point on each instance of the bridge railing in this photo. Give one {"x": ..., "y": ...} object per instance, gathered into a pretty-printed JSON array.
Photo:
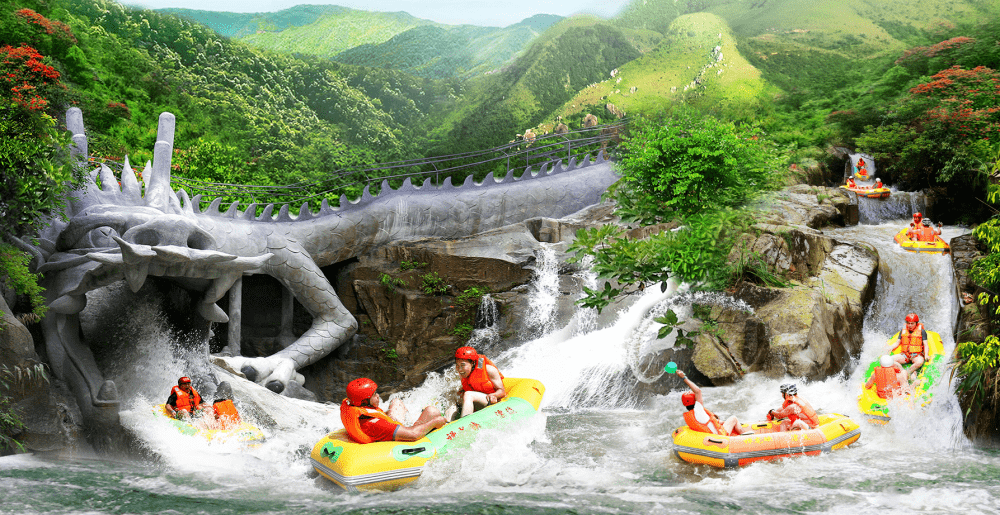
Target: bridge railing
[{"x": 517, "y": 155}]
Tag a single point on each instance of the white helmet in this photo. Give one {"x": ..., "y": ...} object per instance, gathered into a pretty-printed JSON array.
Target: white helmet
[
  {"x": 886, "y": 361},
  {"x": 878, "y": 180}
]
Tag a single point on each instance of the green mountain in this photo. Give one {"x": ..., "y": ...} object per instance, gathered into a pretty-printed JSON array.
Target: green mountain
[
  {"x": 237, "y": 25},
  {"x": 462, "y": 51}
]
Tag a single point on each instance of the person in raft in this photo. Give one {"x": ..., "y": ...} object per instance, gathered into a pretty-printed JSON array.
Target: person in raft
[
  {"x": 184, "y": 400},
  {"x": 878, "y": 184},
  {"x": 795, "y": 413},
  {"x": 924, "y": 231},
  {"x": 226, "y": 415},
  {"x": 365, "y": 422},
  {"x": 700, "y": 419},
  {"x": 912, "y": 345},
  {"x": 917, "y": 217},
  {"x": 861, "y": 163},
  {"x": 888, "y": 378},
  {"x": 482, "y": 382},
  {"x": 851, "y": 183}
]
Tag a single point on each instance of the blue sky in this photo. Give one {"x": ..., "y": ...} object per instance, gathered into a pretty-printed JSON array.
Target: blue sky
[{"x": 498, "y": 13}]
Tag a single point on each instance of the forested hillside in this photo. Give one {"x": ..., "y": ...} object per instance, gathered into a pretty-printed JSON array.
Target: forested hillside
[{"x": 243, "y": 113}]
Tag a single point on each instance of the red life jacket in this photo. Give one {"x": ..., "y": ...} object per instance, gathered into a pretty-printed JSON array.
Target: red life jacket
[
  {"x": 926, "y": 233},
  {"x": 806, "y": 412},
  {"x": 478, "y": 380},
  {"x": 184, "y": 401},
  {"x": 886, "y": 382},
  {"x": 226, "y": 414},
  {"x": 692, "y": 422},
  {"x": 911, "y": 344},
  {"x": 351, "y": 417}
]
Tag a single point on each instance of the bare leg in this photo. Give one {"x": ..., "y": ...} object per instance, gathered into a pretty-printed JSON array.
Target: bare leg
[
  {"x": 397, "y": 410},
  {"x": 918, "y": 361},
  {"x": 429, "y": 413},
  {"x": 472, "y": 401}
]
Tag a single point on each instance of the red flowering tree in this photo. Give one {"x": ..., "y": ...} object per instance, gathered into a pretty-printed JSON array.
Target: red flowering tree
[
  {"x": 25, "y": 78},
  {"x": 943, "y": 132}
]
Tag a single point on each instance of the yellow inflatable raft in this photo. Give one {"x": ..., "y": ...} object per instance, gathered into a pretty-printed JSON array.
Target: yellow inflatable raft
[
  {"x": 767, "y": 443},
  {"x": 390, "y": 465},
  {"x": 245, "y": 433},
  {"x": 937, "y": 246},
  {"x": 876, "y": 409},
  {"x": 882, "y": 192}
]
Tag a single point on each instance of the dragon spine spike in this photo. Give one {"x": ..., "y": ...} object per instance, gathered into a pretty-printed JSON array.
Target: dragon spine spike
[
  {"x": 130, "y": 185},
  {"x": 234, "y": 209},
  {"x": 250, "y": 212},
  {"x": 109, "y": 183},
  {"x": 344, "y": 203},
  {"x": 304, "y": 212},
  {"x": 509, "y": 178},
  {"x": 385, "y": 189},
  {"x": 366, "y": 196},
  {"x": 558, "y": 167},
  {"x": 182, "y": 195},
  {"x": 266, "y": 214},
  {"x": 446, "y": 183},
  {"x": 196, "y": 203},
  {"x": 213, "y": 208},
  {"x": 572, "y": 164},
  {"x": 545, "y": 169},
  {"x": 283, "y": 215},
  {"x": 427, "y": 182},
  {"x": 147, "y": 172},
  {"x": 469, "y": 181},
  {"x": 407, "y": 186},
  {"x": 324, "y": 208}
]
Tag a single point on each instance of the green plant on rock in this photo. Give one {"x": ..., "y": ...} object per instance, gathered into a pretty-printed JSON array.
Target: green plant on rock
[
  {"x": 16, "y": 379},
  {"x": 670, "y": 322},
  {"x": 977, "y": 369},
  {"x": 14, "y": 271},
  {"x": 389, "y": 353},
  {"x": 410, "y": 265},
  {"x": 391, "y": 282},
  {"x": 463, "y": 330},
  {"x": 433, "y": 284}
]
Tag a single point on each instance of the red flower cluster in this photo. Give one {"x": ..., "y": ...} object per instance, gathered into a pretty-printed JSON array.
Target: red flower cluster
[
  {"x": 120, "y": 109},
  {"x": 57, "y": 28},
  {"x": 968, "y": 101},
  {"x": 24, "y": 73},
  {"x": 926, "y": 52}
]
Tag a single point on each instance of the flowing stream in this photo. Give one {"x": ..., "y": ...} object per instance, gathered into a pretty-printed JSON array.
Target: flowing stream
[{"x": 596, "y": 447}]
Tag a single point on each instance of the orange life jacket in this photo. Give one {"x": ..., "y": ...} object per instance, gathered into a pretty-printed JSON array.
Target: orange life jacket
[
  {"x": 886, "y": 382},
  {"x": 912, "y": 343},
  {"x": 478, "y": 380},
  {"x": 184, "y": 401},
  {"x": 807, "y": 413},
  {"x": 692, "y": 422},
  {"x": 926, "y": 233},
  {"x": 351, "y": 417},
  {"x": 226, "y": 414}
]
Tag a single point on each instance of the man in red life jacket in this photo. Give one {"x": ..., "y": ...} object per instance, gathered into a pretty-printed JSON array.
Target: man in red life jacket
[
  {"x": 912, "y": 344},
  {"x": 365, "y": 422},
  {"x": 482, "y": 382},
  {"x": 851, "y": 183},
  {"x": 878, "y": 183},
  {"x": 797, "y": 413},
  {"x": 700, "y": 419},
  {"x": 916, "y": 220},
  {"x": 888, "y": 378},
  {"x": 184, "y": 400},
  {"x": 226, "y": 415},
  {"x": 925, "y": 232}
]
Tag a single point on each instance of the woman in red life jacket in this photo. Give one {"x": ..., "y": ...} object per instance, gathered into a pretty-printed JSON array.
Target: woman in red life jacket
[
  {"x": 912, "y": 344},
  {"x": 878, "y": 183},
  {"x": 226, "y": 415},
  {"x": 888, "y": 377},
  {"x": 482, "y": 382},
  {"x": 700, "y": 419},
  {"x": 365, "y": 422},
  {"x": 184, "y": 400},
  {"x": 797, "y": 412}
]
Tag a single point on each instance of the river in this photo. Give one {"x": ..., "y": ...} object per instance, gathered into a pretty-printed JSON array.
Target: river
[{"x": 594, "y": 448}]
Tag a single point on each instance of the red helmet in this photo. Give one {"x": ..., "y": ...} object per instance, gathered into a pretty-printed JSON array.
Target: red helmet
[
  {"x": 917, "y": 216},
  {"x": 360, "y": 390},
  {"x": 687, "y": 399},
  {"x": 184, "y": 380},
  {"x": 912, "y": 317},
  {"x": 466, "y": 353}
]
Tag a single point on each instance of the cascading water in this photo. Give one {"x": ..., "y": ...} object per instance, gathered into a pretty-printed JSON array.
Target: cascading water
[
  {"x": 544, "y": 292},
  {"x": 595, "y": 448}
]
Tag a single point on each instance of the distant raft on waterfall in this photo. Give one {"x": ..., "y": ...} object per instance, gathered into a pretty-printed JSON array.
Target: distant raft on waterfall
[
  {"x": 869, "y": 192},
  {"x": 244, "y": 433},
  {"x": 862, "y": 174},
  {"x": 390, "y": 465},
  {"x": 938, "y": 246},
  {"x": 876, "y": 409},
  {"x": 834, "y": 432}
]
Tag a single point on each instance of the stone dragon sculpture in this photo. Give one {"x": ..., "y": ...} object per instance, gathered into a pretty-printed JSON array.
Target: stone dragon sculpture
[{"x": 133, "y": 229}]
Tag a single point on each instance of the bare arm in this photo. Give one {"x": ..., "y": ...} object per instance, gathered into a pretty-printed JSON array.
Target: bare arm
[
  {"x": 494, "y": 375},
  {"x": 694, "y": 388}
]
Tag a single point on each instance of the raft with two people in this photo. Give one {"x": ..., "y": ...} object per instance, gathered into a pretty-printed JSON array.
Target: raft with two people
[
  {"x": 392, "y": 464},
  {"x": 214, "y": 431},
  {"x": 875, "y": 397},
  {"x": 921, "y": 237}
]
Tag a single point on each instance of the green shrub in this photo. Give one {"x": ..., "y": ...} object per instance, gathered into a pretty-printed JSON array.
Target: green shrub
[{"x": 432, "y": 284}]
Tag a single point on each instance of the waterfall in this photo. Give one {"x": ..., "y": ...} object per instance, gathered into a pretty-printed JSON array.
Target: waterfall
[
  {"x": 899, "y": 205},
  {"x": 585, "y": 319},
  {"x": 486, "y": 337},
  {"x": 544, "y": 293}
]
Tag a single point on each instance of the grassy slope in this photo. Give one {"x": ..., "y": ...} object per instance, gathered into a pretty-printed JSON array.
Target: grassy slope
[
  {"x": 330, "y": 35},
  {"x": 234, "y": 25},
  {"x": 668, "y": 71}
]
